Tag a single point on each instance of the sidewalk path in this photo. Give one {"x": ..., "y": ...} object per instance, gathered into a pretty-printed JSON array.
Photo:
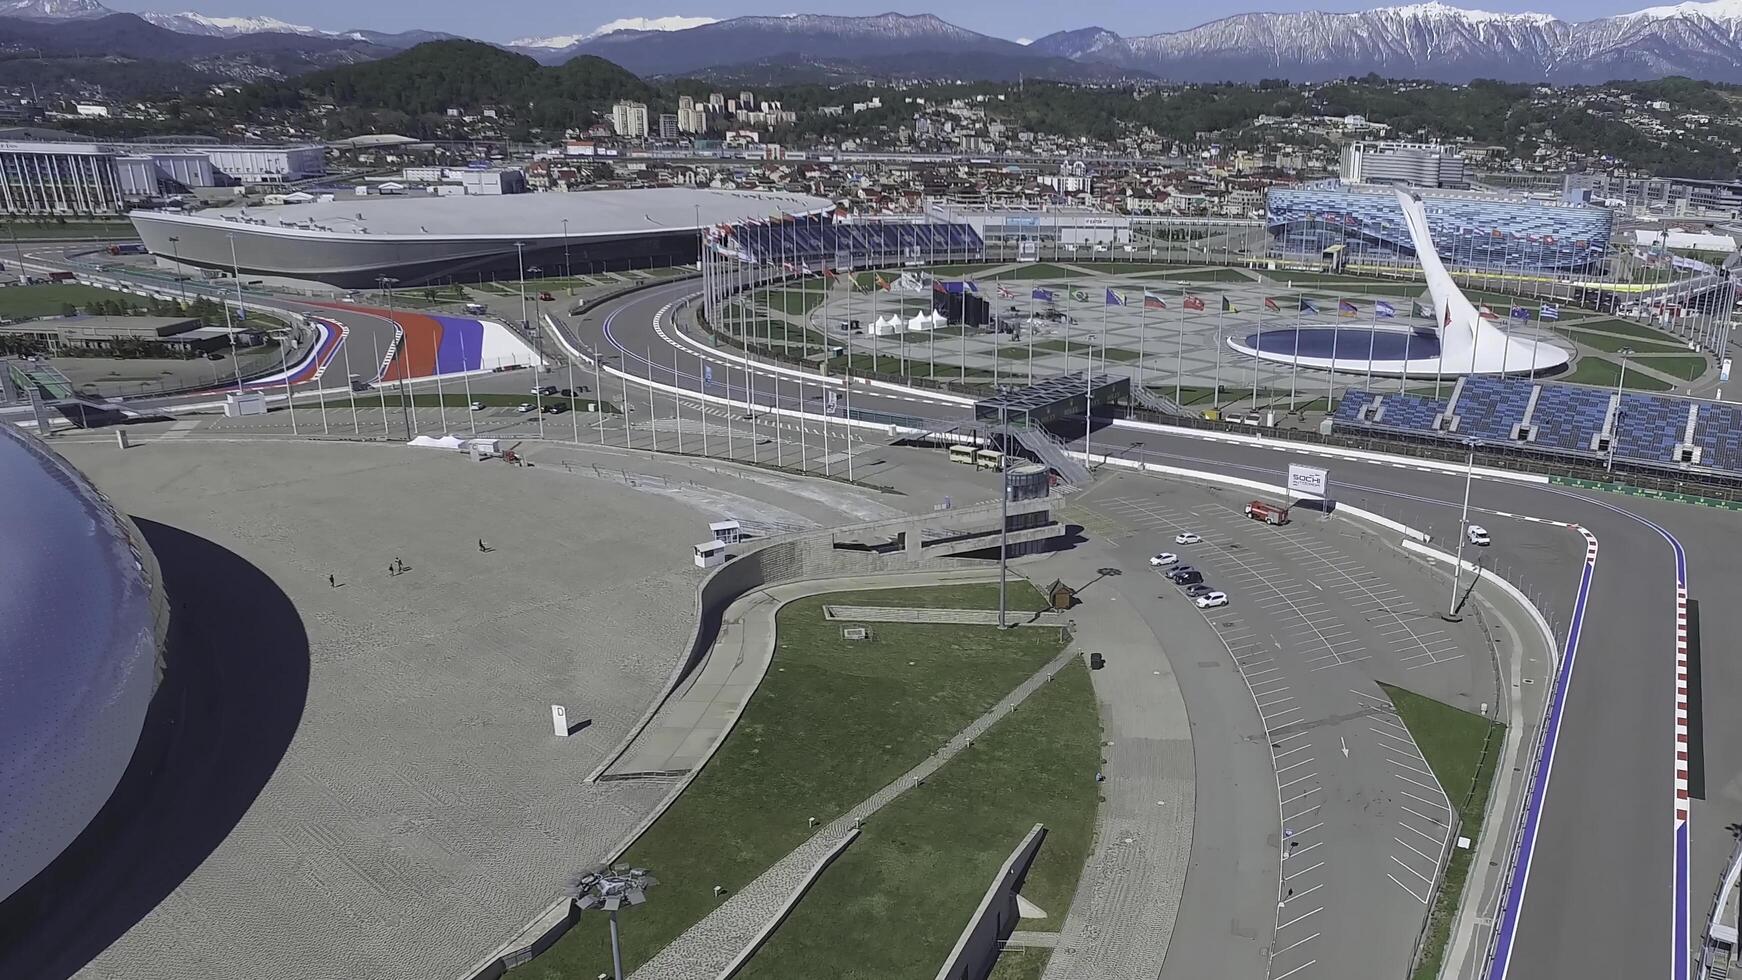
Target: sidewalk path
[{"x": 1122, "y": 917}]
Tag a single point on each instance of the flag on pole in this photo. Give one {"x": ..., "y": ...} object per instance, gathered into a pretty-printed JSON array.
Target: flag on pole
[
  {"x": 1519, "y": 313},
  {"x": 1114, "y": 299},
  {"x": 1005, "y": 292},
  {"x": 1549, "y": 311},
  {"x": 880, "y": 282},
  {"x": 1079, "y": 295},
  {"x": 1419, "y": 311},
  {"x": 1448, "y": 314},
  {"x": 1347, "y": 308},
  {"x": 1228, "y": 306},
  {"x": 1485, "y": 313},
  {"x": 949, "y": 287},
  {"x": 1153, "y": 301},
  {"x": 971, "y": 286},
  {"x": 1384, "y": 309},
  {"x": 1193, "y": 303},
  {"x": 1271, "y": 305},
  {"x": 1306, "y": 306},
  {"x": 1044, "y": 295}
]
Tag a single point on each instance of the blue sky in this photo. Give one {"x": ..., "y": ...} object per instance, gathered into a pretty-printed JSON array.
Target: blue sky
[{"x": 1007, "y": 18}]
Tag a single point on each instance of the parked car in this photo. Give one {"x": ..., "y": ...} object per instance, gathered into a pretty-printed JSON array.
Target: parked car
[
  {"x": 477, "y": 406},
  {"x": 555, "y": 408},
  {"x": 1478, "y": 535},
  {"x": 1197, "y": 590},
  {"x": 1190, "y": 577},
  {"x": 524, "y": 407},
  {"x": 1163, "y": 560},
  {"x": 546, "y": 297},
  {"x": 544, "y": 390},
  {"x": 1175, "y": 573},
  {"x": 1211, "y": 600},
  {"x": 1186, "y": 537}
]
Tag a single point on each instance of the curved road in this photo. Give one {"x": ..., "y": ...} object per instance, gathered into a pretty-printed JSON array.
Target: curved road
[{"x": 1599, "y": 894}]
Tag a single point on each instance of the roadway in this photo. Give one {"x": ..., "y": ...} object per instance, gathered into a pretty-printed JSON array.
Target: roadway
[{"x": 1600, "y": 895}]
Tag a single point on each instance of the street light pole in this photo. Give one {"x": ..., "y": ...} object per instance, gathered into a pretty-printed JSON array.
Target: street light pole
[
  {"x": 611, "y": 889},
  {"x": 1003, "y": 504},
  {"x": 1451, "y": 614},
  {"x": 181, "y": 284},
  {"x": 230, "y": 326},
  {"x": 1625, "y": 352},
  {"x": 387, "y": 283},
  {"x": 568, "y": 273}
]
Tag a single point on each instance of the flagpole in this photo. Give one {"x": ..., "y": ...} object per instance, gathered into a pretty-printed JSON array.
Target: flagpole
[
  {"x": 1142, "y": 335},
  {"x": 676, "y": 402},
  {"x": 1179, "y": 359},
  {"x": 378, "y": 388},
  {"x": 1294, "y": 370},
  {"x": 1257, "y": 345},
  {"x": 466, "y": 382},
  {"x": 345, "y": 345},
  {"x": 1331, "y": 371},
  {"x": 1372, "y": 341},
  {"x": 1218, "y": 392},
  {"x": 598, "y": 392}
]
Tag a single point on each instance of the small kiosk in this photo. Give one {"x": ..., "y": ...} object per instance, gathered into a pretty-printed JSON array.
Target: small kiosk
[
  {"x": 710, "y": 554},
  {"x": 726, "y": 532}
]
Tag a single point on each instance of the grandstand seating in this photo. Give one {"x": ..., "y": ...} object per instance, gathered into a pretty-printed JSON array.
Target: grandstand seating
[
  {"x": 1488, "y": 408},
  {"x": 1410, "y": 411},
  {"x": 1567, "y": 417},
  {"x": 820, "y": 241},
  {"x": 1350, "y": 405},
  {"x": 1650, "y": 428},
  {"x": 1718, "y": 433}
]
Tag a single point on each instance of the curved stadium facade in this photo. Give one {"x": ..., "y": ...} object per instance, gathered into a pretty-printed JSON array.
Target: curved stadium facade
[
  {"x": 1469, "y": 229},
  {"x": 421, "y": 240},
  {"x": 83, "y": 618}
]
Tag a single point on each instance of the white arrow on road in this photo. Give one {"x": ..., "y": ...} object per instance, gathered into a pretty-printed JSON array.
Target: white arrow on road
[{"x": 1345, "y": 745}]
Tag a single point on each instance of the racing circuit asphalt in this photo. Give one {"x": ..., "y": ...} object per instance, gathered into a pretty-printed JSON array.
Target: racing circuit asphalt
[{"x": 1599, "y": 896}]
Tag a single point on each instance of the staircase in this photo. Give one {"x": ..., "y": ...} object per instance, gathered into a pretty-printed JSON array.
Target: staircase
[
  {"x": 1156, "y": 403},
  {"x": 1053, "y": 453}
]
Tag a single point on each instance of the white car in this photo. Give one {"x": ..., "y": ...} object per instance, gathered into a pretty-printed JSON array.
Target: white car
[
  {"x": 1164, "y": 559},
  {"x": 524, "y": 407},
  {"x": 1186, "y": 537},
  {"x": 477, "y": 406},
  {"x": 1478, "y": 535},
  {"x": 1211, "y": 600}
]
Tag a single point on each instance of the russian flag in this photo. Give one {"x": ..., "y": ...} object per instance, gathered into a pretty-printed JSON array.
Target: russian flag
[{"x": 1151, "y": 301}]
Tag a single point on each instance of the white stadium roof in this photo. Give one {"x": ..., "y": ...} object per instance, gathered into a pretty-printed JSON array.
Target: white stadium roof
[{"x": 538, "y": 215}]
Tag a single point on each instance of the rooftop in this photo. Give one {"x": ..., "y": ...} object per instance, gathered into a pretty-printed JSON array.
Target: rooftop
[{"x": 612, "y": 212}]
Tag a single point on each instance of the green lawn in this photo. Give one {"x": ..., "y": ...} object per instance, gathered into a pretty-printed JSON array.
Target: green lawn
[
  {"x": 832, "y": 722},
  {"x": 24, "y": 302},
  {"x": 1462, "y": 749},
  {"x": 1021, "y": 963},
  {"x": 1685, "y": 366},
  {"x": 1211, "y": 275},
  {"x": 1355, "y": 290},
  {"x": 795, "y": 302},
  {"x": 26, "y": 230},
  {"x": 1627, "y": 327},
  {"x": 1604, "y": 372},
  {"x": 1610, "y": 345},
  {"x": 893, "y": 905}
]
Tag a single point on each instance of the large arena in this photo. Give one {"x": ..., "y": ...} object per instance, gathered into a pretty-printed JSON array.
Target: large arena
[{"x": 352, "y": 242}]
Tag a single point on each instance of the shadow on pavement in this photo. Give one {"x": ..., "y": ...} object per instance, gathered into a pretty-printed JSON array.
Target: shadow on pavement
[{"x": 234, "y": 685}]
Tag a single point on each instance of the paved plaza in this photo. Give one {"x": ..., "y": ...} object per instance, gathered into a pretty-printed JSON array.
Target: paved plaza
[
  {"x": 1164, "y": 347},
  {"x": 421, "y": 810}
]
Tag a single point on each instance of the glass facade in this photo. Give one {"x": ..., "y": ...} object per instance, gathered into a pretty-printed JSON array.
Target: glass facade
[{"x": 1469, "y": 231}]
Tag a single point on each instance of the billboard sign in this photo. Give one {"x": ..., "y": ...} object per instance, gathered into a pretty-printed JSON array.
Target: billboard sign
[
  {"x": 1724, "y": 371},
  {"x": 1306, "y": 481}
]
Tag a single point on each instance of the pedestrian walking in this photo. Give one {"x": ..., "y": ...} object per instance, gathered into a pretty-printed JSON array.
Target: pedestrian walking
[
  {"x": 332, "y": 582},
  {"x": 481, "y": 548},
  {"x": 391, "y": 570},
  {"x": 399, "y": 565}
]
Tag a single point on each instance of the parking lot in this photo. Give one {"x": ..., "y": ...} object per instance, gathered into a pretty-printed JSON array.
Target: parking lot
[{"x": 1363, "y": 825}]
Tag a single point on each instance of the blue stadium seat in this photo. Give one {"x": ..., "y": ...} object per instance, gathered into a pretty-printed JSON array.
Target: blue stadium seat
[
  {"x": 1411, "y": 412},
  {"x": 1718, "y": 433},
  {"x": 1650, "y": 427},
  {"x": 1567, "y": 417},
  {"x": 1350, "y": 406},
  {"x": 1488, "y": 408}
]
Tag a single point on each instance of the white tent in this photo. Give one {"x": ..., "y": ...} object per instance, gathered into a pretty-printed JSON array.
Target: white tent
[
  {"x": 920, "y": 322},
  {"x": 885, "y": 326}
]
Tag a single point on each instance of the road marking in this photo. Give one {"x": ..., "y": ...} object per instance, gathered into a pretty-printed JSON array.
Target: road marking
[
  {"x": 1297, "y": 919},
  {"x": 1405, "y": 887},
  {"x": 1296, "y": 874},
  {"x": 1304, "y": 894},
  {"x": 1294, "y": 944},
  {"x": 1285, "y": 976}
]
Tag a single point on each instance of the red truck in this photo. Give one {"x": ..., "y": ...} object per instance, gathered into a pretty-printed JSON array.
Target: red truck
[{"x": 1258, "y": 510}]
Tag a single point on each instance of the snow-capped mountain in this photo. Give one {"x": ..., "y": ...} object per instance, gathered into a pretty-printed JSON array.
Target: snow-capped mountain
[
  {"x": 188, "y": 22},
  {"x": 1445, "y": 43},
  {"x": 52, "y": 9},
  {"x": 673, "y": 23},
  {"x": 1081, "y": 43}
]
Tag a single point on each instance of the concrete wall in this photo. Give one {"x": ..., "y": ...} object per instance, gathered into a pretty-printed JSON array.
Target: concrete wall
[{"x": 977, "y": 949}]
